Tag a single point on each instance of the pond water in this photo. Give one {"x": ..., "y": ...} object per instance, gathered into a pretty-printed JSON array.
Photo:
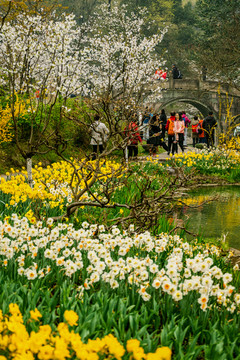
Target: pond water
[{"x": 217, "y": 218}]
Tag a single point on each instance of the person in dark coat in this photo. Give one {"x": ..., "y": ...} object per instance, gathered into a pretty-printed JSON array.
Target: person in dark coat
[
  {"x": 155, "y": 135},
  {"x": 204, "y": 73},
  {"x": 209, "y": 124},
  {"x": 176, "y": 74},
  {"x": 163, "y": 122}
]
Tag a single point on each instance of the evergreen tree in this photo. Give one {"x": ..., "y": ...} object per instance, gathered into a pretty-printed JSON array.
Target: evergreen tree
[
  {"x": 218, "y": 42},
  {"x": 179, "y": 40}
]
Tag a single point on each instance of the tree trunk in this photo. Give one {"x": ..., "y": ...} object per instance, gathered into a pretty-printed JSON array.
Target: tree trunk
[{"x": 29, "y": 171}]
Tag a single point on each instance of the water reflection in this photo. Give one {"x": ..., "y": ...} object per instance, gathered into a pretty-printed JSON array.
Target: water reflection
[{"x": 216, "y": 218}]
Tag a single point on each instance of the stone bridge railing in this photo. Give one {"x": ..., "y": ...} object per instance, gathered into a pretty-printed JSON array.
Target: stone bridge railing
[{"x": 198, "y": 85}]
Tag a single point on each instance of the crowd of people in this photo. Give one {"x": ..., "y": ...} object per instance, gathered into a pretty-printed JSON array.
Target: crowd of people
[
  {"x": 169, "y": 133},
  {"x": 156, "y": 129},
  {"x": 162, "y": 74}
]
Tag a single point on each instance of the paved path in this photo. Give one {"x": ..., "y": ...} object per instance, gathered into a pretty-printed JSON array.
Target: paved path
[{"x": 164, "y": 155}]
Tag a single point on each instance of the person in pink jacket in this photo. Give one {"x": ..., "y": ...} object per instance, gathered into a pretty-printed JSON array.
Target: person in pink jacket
[
  {"x": 187, "y": 123},
  {"x": 178, "y": 129}
]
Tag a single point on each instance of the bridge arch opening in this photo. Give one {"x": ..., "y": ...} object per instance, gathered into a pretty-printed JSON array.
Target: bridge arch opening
[
  {"x": 237, "y": 120},
  {"x": 201, "y": 107}
]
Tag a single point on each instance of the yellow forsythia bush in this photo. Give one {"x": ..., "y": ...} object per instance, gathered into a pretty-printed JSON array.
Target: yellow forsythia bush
[
  {"x": 5, "y": 125},
  {"x": 17, "y": 344},
  {"x": 53, "y": 185},
  {"x": 6, "y": 113}
]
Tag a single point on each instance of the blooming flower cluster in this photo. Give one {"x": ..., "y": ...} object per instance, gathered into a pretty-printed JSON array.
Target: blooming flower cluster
[
  {"x": 17, "y": 343},
  {"x": 49, "y": 49},
  {"x": 6, "y": 126},
  {"x": 163, "y": 264},
  {"x": 53, "y": 185},
  {"x": 215, "y": 160},
  {"x": 116, "y": 42},
  {"x": 232, "y": 143}
]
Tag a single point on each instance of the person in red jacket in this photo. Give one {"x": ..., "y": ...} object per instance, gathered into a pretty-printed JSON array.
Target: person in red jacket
[
  {"x": 195, "y": 125},
  {"x": 133, "y": 138},
  {"x": 201, "y": 134}
]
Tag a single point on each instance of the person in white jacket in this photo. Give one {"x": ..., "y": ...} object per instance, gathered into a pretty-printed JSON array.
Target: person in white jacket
[
  {"x": 237, "y": 131},
  {"x": 99, "y": 135}
]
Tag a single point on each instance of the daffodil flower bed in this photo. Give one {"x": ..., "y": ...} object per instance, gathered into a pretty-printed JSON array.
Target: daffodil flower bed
[
  {"x": 214, "y": 161},
  {"x": 53, "y": 185},
  {"x": 45, "y": 344},
  {"x": 59, "y": 185},
  {"x": 162, "y": 265},
  {"x": 159, "y": 290}
]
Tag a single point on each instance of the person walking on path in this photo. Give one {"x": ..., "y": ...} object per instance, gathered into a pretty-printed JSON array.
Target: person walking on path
[
  {"x": 99, "y": 134},
  {"x": 179, "y": 131},
  {"x": 187, "y": 122},
  {"x": 201, "y": 134},
  {"x": 133, "y": 138},
  {"x": 171, "y": 136},
  {"x": 155, "y": 138},
  {"x": 236, "y": 131},
  {"x": 209, "y": 124},
  {"x": 195, "y": 126},
  {"x": 154, "y": 135},
  {"x": 145, "y": 123},
  {"x": 163, "y": 122}
]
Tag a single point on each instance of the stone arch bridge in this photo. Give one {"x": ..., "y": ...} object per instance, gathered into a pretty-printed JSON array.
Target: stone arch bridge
[{"x": 204, "y": 95}]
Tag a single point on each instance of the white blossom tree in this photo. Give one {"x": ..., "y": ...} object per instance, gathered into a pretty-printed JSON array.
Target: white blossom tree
[
  {"x": 109, "y": 61},
  {"x": 112, "y": 64},
  {"x": 121, "y": 59},
  {"x": 40, "y": 63},
  {"x": 121, "y": 64}
]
